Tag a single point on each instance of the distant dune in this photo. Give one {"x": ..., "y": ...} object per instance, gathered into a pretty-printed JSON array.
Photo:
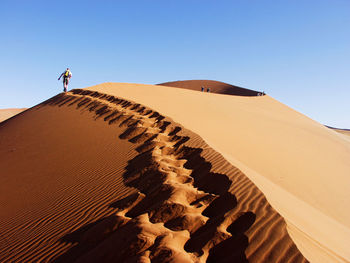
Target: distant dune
[
  {"x": 213, "y": 86},
  {"x": 8, "y": 113},
  {"x": 342, "y": 131},
  {"x": 124, "y": 172}
]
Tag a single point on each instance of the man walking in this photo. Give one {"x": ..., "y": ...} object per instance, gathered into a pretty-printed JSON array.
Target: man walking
[{"x": 67, "y": 74}]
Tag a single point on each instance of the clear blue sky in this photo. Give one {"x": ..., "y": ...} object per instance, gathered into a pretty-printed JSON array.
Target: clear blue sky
[{"x": 298, "y": 51}]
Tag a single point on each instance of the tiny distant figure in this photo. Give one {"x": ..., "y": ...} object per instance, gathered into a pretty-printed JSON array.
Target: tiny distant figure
[
  {"x": 202, "y": 89},
  {"x": 208, "y": 89},
  {"x": 67, "y": 74}
]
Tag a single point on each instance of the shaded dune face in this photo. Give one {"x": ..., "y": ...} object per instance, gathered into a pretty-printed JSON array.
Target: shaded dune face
[
  {"x": 213, "y": 86},
  {"x": 188, "y": 204},
  {"x": 58, "y": 169}
]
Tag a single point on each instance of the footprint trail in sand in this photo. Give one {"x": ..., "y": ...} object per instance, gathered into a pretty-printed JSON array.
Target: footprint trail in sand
[{"x": 182, "y": 211}]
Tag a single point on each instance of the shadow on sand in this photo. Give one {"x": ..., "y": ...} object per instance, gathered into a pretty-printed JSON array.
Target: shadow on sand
[{"x": 113, "y": 237}]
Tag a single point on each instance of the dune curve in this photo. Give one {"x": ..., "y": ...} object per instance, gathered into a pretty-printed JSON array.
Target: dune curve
[
  {"x": 341, "y": 131},
  {"x": 211, "y": 86},
  {"x": 256, "y": 131},
  {"x": 205, "y": 207}
]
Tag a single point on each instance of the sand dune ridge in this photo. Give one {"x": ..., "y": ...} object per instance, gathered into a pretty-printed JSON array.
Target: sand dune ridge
[{"x": 190, "y": 197}]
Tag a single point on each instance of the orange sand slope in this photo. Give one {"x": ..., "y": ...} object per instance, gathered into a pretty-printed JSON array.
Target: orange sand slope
[
  {"x": 8, "y": 113},
  {"x": 59, "y": 170},
  {"x": 88, "y": 177},
  {"x": 301, "y": 166}
]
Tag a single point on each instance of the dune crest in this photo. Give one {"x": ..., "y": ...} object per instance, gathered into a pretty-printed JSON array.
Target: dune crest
[
  {"x": 212, "y": 86},
  {"x": 341, "y": 131},
  {"x": 289, "y": 156},
  {"x": 183, "y": 210},
  {"x": 178, "y": 197}
]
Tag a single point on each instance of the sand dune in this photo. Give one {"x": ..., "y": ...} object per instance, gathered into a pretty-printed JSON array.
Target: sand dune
[
  {"x": 342, "y": 131},
  {"x": 294, "y": 160},
  {"x": 8, "y": 113},
  {"x": 125, "y": 183},
  {"x": 108, "y": 174},
  {"x": 213, "y": 86}
]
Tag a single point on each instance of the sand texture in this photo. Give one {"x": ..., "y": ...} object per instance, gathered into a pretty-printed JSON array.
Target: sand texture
[
  {"x": 8, "y": 113},
  {"x": 91, "y": 177},
  {"x": 301, "y": 166}
]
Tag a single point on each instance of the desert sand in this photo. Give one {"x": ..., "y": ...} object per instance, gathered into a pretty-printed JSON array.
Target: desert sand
[
  {"x": 130, "y": 172},
  {"x": 213, "y": 86},
  {"x": 8, "y": 113},
  {"x": 341, "y": 131}
]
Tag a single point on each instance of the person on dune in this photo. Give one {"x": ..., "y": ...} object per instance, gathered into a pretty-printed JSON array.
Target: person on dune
[{"x": 67, "y": 74}]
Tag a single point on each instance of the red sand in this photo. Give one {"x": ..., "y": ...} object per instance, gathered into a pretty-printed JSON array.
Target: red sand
[{"x": 89, "y": 177}]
